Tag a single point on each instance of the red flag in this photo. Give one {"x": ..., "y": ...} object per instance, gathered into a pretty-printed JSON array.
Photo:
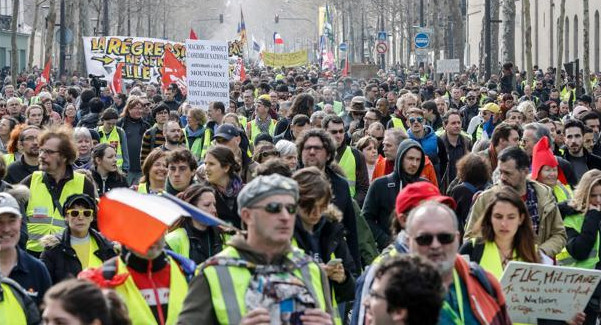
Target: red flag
[
  {"x": 345, "y": 70},
  {"x": 192, "y": 34},
  {"x": 173, "y": 71},
  {"x": 242, "y": 71},
  {"x": 44, "y": 78},
  {"x": 117, "y": 82}
]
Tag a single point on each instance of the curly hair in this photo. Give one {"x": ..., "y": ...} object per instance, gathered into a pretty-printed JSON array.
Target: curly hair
[
  {"x": 472, "y": 168},
  {"x": 413, "y": 284},
  {"x": 326, "y": 139},
  {"x": 66, "y": 147}
]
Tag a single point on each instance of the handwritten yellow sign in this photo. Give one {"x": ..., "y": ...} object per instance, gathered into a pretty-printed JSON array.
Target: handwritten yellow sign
[{"x": 293, "y": 59}]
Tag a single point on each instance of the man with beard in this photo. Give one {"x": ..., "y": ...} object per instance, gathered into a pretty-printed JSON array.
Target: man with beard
[
  {"x": 514, "y": 168},
  {"x": 55, "y": 179},
  {"x": 28, "y": 163},
  {"x": 328, "y": 98},
  {"x": 173, "y": 136},
  {"x": 432, "y": 233},
  {"x": 581, "y": 160}
]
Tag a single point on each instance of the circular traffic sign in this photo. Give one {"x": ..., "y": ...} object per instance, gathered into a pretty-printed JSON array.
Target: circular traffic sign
[
  {"x": 421, "y": 40},
  {"x": 343, "y": 47},
  {"x": 382, "y": 47}
]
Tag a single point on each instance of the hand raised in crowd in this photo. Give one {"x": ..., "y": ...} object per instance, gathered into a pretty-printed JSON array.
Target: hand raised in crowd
[
  {"x": 335, "y": 272},
  {"x": 577, "y": 319}
]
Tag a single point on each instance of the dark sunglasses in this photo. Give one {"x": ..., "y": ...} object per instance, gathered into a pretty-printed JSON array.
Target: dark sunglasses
[
  {"x": 379, "y": 138},
  {"x": 74, "y": 213},
  {"x": 471, "y": 98},
  {"x": 418, "y": 119},
  {"x": 336, "y": 131},
  {"x": 427, "y": 239},
  {"x": 276, "y": 207}
]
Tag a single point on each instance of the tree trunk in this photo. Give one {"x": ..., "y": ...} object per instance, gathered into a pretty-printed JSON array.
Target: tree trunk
[
  {"x": 508, "y": 13},
  {"x": 82, "y": 30},
  {"x": 585, "y": 42},
  {"x": 560, "y": 27},
  {"x": 70, "y": 22},
  {"x": 528, "y": 40},
  {"x": 495, "y": 5},
  {"x": 34, "y": 28},
  {"x": 14, "y": 53},
  {"x": 434, "y": 23},
  {"x": 121, "y": 15},
  {"x": 458, "y": 31},
  {"x": 49, "y": 46}
]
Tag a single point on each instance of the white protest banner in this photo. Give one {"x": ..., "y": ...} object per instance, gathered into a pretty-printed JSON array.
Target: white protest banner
[
  {"x": 208, "y": 72},
  {"x": 537, "y": 291},
  {"x": 448, "y": 66},
  {"x": 142, "y": 56}
]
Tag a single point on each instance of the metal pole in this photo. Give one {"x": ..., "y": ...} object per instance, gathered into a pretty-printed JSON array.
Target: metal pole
[
  {"x": 383, "y": 55},
  {"x": 105, "y": 18},
  {"x": 63, "y": 30},
  {"x": 421, "y": 13},
  {"x": 362, "y": 36},
  {"x": 488, "y": 39}
]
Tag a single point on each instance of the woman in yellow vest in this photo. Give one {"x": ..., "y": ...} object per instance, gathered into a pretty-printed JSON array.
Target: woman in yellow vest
[
  {"x": 545, "y": 169},
  {"x": 154, "y": 173},
  {"x": 505, "y": 234},
  {"x": 191, "y": 238},
  {"x": 79, "y": 246},
  {"x": 582, "y": 220},
  {"x": 320, "y": 234},
  {"x": 83, "y": 302}
]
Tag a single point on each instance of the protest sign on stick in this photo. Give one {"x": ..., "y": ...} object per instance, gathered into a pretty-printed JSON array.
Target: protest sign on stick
[{"x": 208, "y": 75}]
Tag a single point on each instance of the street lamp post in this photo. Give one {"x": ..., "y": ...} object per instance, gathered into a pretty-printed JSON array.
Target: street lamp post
[{"x": 62, "y": 40}]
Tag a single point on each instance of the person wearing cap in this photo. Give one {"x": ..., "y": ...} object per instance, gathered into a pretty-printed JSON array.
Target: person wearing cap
[
  {"x": 262, "y": 123},
  {"x": 231, "y": 287},
  {"x": 407, "y": 199},
  {"x": 15, "y": 263},
  {"x": 514, "y": 167},
  {"x": 299, "y": 124},
  {"x": 110, "y": 133},
  {"x": 79, "y": 246},
  {"x": 153, "y": 137},
  {"x": 486, "y": 120},
  {"x": 51, "y": 185},
  {"x": 235, "y": 139}
]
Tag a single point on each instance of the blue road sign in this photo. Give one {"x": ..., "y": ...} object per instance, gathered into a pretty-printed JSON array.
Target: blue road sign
[
  {"x": 382, "y": 36},
  {"x": 421, "y": 40},
  {"x": 343, "y": 47}
]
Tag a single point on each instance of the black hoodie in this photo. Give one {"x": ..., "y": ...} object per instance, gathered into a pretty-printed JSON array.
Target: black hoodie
[{"x": 381, "y": 196}]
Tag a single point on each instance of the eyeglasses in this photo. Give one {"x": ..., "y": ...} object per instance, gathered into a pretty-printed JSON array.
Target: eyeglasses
[
  {"x": 74, "y": 213},
  {"x": 276, "y": 207},
  {"x": 333, "y": 132},
  {"x": 43, "y": 151},
  {"x": 471, "y": 98},
  {"x": 414, "y": 119},
  {"x": 269, "y": 153},
  {"x": 316, "y": 148},
  {"x": 427, "y": 239},
  {"x": 379, "y": 138},
  {"x": 146, "y": 105},
  {"x": 376, "y": 295}
]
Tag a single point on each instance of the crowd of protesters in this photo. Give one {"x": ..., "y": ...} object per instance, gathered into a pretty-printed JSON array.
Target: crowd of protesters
[{"x": 350, "y": 200}]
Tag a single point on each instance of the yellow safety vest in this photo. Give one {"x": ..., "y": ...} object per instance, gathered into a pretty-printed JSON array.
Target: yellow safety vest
[
  {"x": 206, "y": 143},
  {"x": 139, "y": 311},
  {"x": 242, "y": 119},
  {"x": 491, "y": 260},
  {"x": 229, "y": 283},
  {"x": 565, "y": 259},
  {"x": 114, "y": 141},
  {"x": 337, "y": 107},
  {"x": 11, "y": 312},
  {"x": 142, "y": 188},
  {"x": 254, "y": 129},
  {"x": 562, "y": 193},
  {"x": 397, "y": 123},
  {"x": 196, "y": 147},
  {"x": 349, "y": 166},
  {"x": 43, "y": 216},
  {"x": 9, "y": 158},
  {"x": 179, "y": 242}
]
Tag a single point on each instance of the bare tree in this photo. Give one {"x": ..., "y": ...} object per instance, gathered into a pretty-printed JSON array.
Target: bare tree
[
  {"x": 34, "y": 28},
  {"x": 586, "y": 55},
  {"x": 50, "y": 31},
  {"x": 560, "y": 27},
  {"x": 508, "y": 12},
  {"x": 495, "y": 5},
  {"x": 82, "y": 30},
  {"x": 458, "y": 31},
  {"x": 14, "y": 54},
  {"x": 121, "y": 16},
  {"x": 528, "y": 36}
]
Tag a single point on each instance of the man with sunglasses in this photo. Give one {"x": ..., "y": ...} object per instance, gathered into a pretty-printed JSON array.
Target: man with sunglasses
[
  {"x": 470, "y": 109},
  {"x": 263, "y": 259},
  {"x": 473, "y": 295},
  {"x": 349, "y": 159}
]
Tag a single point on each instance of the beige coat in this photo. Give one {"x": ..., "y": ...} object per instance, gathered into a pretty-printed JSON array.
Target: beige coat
[{"x": 551, "y": 237}]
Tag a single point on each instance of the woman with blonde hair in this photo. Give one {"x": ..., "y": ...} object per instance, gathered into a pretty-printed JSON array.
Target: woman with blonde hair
[
  {"x": 529, "y": 110},
  {"x": 582, "y": 220}
]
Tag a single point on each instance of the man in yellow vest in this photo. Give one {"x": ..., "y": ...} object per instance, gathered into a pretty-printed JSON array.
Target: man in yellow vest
[
  {"x": 349, "y": 159},
  {"x": 15, "y": 306},
  {"x": 152, "y": 285},
  {"x": 262, "y": 123},
  {"x": 52, "y": 185},
  {"x": 260, "y": 278},
  {"x": 328, "y": 98},
  {"x": 115, "y": 137}
]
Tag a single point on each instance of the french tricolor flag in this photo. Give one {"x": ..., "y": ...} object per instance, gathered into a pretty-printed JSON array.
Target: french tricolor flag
[
  {"x": 277, "y": 39},
  {"x": 138, "y": 220}
]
